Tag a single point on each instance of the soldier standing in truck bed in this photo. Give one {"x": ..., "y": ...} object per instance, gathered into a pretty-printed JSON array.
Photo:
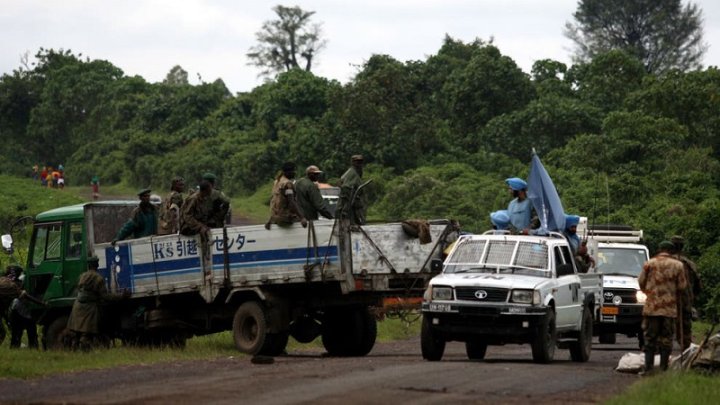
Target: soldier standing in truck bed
[
  {"x": 309, "y": 199},
  {"x": 170, "y": 207},
  {"x": 349, "y": 207},
  {"x": 143, "y": 220},
  {"x": 284, "y": 209},
  {"x": 219, "y": 203}
]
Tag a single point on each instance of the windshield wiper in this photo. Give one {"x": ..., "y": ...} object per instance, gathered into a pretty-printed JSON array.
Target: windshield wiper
[{"x": 473, "y": 269}]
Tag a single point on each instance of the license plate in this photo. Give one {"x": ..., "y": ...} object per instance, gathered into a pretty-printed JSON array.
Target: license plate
[
  {"x": 610, "y": 310},
  {"x": 439, "y": 307}
]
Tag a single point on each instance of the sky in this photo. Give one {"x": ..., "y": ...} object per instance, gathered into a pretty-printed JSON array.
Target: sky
[{"x": 209, "y": 39}]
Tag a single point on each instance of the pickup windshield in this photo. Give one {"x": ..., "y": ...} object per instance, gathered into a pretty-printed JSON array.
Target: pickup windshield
[
  {"x": 499, "y": 256},
  {"x": 621, "y": 261}
]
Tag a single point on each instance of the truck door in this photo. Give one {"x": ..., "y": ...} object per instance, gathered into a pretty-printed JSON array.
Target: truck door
[
  {"x": 45, "y": 263},
  {"x": 567, "y": 301},
  {"x": 74, "y": 248}
]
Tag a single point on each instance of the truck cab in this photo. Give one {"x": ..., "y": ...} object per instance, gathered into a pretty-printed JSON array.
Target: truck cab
[
  {"x": 500, "y": 288},
  {"x": 619, "y": 256}
]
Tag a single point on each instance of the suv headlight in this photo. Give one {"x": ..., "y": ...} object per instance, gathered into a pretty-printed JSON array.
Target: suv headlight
[
  {"x": 641, "y": 297},
  {"x": 525, "y": 297},
  {"x": 442, "y": 293}
]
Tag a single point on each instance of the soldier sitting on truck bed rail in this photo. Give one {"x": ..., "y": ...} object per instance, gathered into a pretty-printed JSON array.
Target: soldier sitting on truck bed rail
[
  {"x": 284, "y": 209},
  {"x": 196, "y": 215}
]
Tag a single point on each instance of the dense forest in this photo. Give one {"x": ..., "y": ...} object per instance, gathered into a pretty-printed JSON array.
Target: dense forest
[{"x": 439, "y": 135}]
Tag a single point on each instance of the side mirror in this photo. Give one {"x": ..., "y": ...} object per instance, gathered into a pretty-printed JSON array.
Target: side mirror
[
  {"x": 565, "y": 269},
  {"x": 7, "y": 243},
  {"x": 436, "y": 265}
]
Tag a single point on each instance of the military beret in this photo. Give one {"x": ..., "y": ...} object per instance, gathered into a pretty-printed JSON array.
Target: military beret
[
  {"x": 356, "y": 158},
  {"x": 516, "y": 183},
  {"x": 143, "y": 192},
  {"x": 666, "y": 245},
  {"x": 209, "y": 176},
  {"x": 677, "y": 240}
]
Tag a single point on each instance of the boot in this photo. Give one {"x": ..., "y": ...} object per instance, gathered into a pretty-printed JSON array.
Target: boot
[
  {"x": 649, "y": 362},
  {"x": 664, "y": 358}
]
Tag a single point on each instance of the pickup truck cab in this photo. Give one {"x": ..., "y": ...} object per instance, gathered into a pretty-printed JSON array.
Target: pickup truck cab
[{"x": 500, "y": 288}]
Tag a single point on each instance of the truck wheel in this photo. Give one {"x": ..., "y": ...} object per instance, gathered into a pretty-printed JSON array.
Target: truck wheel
[
  {"x": 580, "y": 350},
  {"x": 250, "y": 327},
  {"x": 607, "y": 338},
  {"x": 432, "y": 345},
  {"x": 349, "y": 333},
  {"x": 275, "y": 344},
  {"x": 544, "y": 341},
  {"x": 54, "y": 333},
  {"x": 476, "y": 349}
]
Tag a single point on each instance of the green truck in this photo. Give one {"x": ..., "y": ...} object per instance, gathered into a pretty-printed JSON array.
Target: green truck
[{"x": 264, "y": 285}]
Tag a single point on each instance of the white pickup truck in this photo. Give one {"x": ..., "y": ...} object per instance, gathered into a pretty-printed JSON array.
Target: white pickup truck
[{"x": 500, "y": 288}]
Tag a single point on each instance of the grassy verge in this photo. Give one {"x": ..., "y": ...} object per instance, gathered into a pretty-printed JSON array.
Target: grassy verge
[{"x": 26, "y": 363}]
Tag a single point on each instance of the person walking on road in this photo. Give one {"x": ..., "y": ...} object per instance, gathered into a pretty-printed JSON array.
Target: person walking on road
[{"x": 662, "y": 280}]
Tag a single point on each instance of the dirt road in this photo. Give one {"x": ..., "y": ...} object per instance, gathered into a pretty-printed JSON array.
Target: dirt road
[{"x": 392, "y": 373}]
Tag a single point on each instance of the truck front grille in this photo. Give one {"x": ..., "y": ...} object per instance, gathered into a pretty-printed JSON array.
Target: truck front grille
[
  {"x": 628, "y": 296},
  {"x": 482, "y": 294}
]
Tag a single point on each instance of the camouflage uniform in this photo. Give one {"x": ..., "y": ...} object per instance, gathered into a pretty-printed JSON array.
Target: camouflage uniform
[
  {"x": 196, "y": 213},
  {"x": 662, "y": 279},
  {"x": 219, "y": 205},
  {"x": 84, "y": 319},
  {"x": 310, "y": 200},
  {"x": 281, "y": 212},
  {"x": 9, "y": 290},
  {"x": 349, "y": 183},
  {"x": 170, "y": 213},
  {"x": 684, "y": 327}
]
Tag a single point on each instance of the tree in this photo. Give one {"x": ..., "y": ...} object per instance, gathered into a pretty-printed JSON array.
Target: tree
[
  {"x": 177, "y": 76},
  {"x": 282, "y": 42},
  {"x": 663, "y": 34}
]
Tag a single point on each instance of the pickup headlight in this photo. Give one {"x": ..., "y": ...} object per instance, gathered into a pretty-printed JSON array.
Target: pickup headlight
[
  {"x": 641, "y": 297},
  {"x": 442, "y": 293},
  {"x": 525, "y": 297}
]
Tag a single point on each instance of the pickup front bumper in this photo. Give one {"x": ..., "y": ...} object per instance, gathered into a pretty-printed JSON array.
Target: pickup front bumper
[
  {"x": 498, "y": 324},
  {"x": 619, "y": 318}
]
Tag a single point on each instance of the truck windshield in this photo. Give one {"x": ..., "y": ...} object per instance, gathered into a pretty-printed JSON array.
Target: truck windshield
[
  {"x": 621, "y": 261},
  {"x": 498, "y": 256}
]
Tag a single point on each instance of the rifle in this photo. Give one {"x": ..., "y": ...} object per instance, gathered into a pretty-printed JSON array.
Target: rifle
[{"x": 704, "y": 342}]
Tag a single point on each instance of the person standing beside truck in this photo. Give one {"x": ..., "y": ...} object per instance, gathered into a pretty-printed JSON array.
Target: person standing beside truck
[
  {"x": 84, "y": 321},
  {"x": 143, "y": 220},
  {"x": 284, "y": 209},
  {"x": 351, "y": 204},
  {"x": 687, "y": 298},
  {"x": 309, "y": 199},
  {"x": 10, "y": 292},
  {"x": 170, "y": 208},
  {"x": 662, "y": 279}
]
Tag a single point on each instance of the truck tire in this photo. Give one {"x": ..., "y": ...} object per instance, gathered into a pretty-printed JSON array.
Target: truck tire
[
  {"x": 607, "y": 338},
  {"x": 55, "y": 333},
  {"x": 476, "y": 349},
  {"x": 432, "y": 345},
  {"x": 545, "y": 339},
  {"x": 580, "y": 350},
  {"x": 275, "y": 344},
  {"x": 349, "y": 332},
  {"x": 250, "y": 328}
]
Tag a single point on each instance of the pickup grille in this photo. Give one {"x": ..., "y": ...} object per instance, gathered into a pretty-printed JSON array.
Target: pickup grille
[
  {"x": 492, "y": 294},
  {"x": 628, "y": 296}
]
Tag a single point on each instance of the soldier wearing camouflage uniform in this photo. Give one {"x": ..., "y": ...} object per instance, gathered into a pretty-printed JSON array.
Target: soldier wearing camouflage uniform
[
  {"x": 283, "y": 204},
  {"x": 309, "y": 199},
  {"x": 662, "y": 279},
  {"x": 170, "y": 208},
  {"x": 219, "y": 203},
  {"x": 196, "y": 214},
  {"x": 143, "y": 220},
  {"x": 354, "y": 210},
  {"x": 684, "y": 327},
  {"x": 84, "y": 321}
]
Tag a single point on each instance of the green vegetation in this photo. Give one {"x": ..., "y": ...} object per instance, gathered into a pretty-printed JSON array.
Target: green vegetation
[{"x": 671, "y": 388}]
